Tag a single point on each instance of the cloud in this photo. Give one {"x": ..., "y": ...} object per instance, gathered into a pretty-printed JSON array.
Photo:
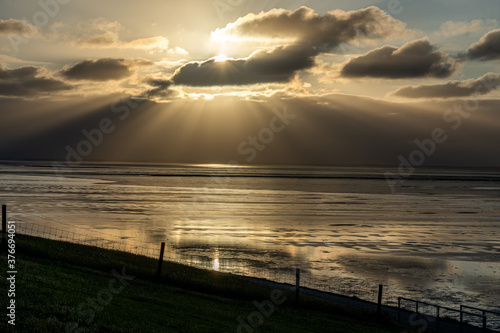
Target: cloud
[
  {"x": 105, "y": 39},
  {"x": 32, "y": 87},
  {"x": 17, "y": 27},
  {"x": 101, "y": 24},
  {"x": 161, "y": 88},
  {"x": 111, "y": 40},
  {"x": 278, "y": 64},
  {"x": 488, "y": 47},
  {"x": 325, "y": 32},
  {"x": 103, "y": 34},
  {"x": 305, "y": 35},
  {"x": 178, "y": 50},
  {"x": 454, "y": 28},
  {"x": 481, "y": 86},
  {"x": 18, "y": 73},
  {"x": 103, "y": 69},
  {"x": 157, "y": 42},
  {"x": 28, "y": 81},
  {"x": 412, "y": 60}
]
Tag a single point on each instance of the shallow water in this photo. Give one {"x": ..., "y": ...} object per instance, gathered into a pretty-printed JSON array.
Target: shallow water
[{"x": 436, "y": 238}]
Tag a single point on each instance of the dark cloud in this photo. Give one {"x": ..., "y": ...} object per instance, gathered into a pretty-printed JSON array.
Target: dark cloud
[
  {"x": 27, "y": 82},
  {"x": 98, "y": 70},
  {"x": 18, "y": 73},
  {"x": 412, "y": 60},
  {"x": 161, "y": 88},
  {"x": 103, "y": 69},
  {"x": 325, "y": 31},
  {"x": 488, "y": 47},
  {"x": 481, "y": 86},
  {"x": 137, "y": 62},
  {"x": 273, "y": 65},
  {"x": 307, "y": 34},
  {"x": 32, "y": 87},
  {"x": 18, "y": 27}
]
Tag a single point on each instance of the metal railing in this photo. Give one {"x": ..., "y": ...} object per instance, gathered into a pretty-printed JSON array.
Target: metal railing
[
  {"x": 439, "y": 309},
  {"x": 483, "y": 311}
]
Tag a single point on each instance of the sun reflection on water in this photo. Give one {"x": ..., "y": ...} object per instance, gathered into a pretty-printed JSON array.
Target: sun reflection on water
[
  {"x": 216, "y": 265},
  {"x": 216, "y": 261}
]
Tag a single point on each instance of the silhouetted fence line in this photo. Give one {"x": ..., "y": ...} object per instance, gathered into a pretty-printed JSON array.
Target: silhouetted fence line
[
  {"x": 49, "y": 232},
  {"x": 439, "y": 312},
  {"x": 87, "y": 237},
  {"x": 296, "y": 282},
  {"x": 101, "y": 239}
]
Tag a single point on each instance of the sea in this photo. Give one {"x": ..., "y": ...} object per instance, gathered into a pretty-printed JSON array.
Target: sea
[{"x": 430, "y": 234}]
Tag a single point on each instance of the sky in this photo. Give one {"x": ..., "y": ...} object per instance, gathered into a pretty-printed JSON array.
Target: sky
[{"x": 402, "y": 83}]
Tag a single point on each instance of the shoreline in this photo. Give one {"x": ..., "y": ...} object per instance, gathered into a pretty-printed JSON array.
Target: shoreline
[
  {"x": 347, "y": 240},
  {"x": 228, "y": 295},
  {"x": 196, "y": 280}
]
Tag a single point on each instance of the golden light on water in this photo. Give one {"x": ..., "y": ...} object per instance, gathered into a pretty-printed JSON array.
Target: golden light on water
[
  {"x": 216, "y": 261},
  {"x": 216, "y": 265}
]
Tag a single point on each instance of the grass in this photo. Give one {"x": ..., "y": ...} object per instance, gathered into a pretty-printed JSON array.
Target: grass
[{"x": 57, "y": 282}]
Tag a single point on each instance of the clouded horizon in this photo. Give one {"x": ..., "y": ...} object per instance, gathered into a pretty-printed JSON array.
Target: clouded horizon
[{"x": 267, "y": 82}]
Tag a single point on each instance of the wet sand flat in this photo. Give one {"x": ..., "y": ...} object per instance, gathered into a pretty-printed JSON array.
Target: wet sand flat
[{"x": 436, "y": 238}]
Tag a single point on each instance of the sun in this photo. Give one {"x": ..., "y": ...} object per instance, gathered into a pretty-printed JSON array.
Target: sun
[{"x": 220, "y": 58}]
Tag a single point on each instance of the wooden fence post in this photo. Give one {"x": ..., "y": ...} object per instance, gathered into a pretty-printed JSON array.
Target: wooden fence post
[
  {"x": 297, "y": 285},
  {"x": 379, "y": 304},
  {"x": 160, "y": 261}
]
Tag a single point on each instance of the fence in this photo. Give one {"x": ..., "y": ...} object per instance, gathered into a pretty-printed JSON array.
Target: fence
[
  {"x": 90, "y": 238},
  {"x": 112, "y": 242},
  {"x": 460, "y": 315},
  {"x": 486, "y": 313}
]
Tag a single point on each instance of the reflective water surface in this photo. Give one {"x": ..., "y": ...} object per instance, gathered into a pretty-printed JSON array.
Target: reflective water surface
[{"x": 436, "y": 238}]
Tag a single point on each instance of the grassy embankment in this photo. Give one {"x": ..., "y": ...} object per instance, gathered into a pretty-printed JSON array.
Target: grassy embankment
[{"x": 59, "y": 283}]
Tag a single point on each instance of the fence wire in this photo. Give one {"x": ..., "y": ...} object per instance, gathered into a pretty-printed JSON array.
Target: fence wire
[{"x": 111, "y": 242}]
